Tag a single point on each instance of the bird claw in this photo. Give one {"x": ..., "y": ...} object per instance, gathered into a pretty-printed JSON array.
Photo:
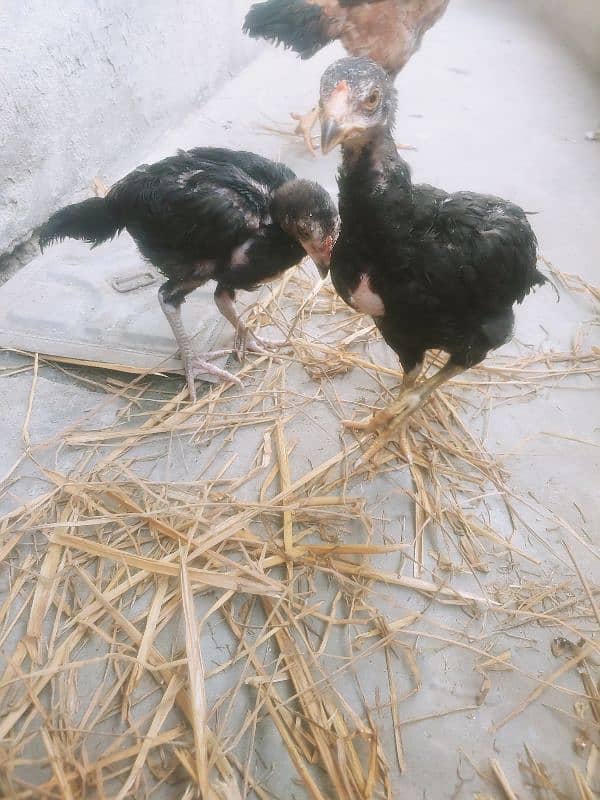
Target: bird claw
[
  {"x": 393, "y": 420},
  {"x": 196, "y": 366},
  {"x": 379, "y": 419},
  {"x": 253, "y": 347},
  {"x": 241, "y": 346},
  {"x": 306, "y": 122},
  {"x": 365, "y": 424},
  {"x": 399, "y": 437},
  {"x": 249, "y": 342},
  {"x": 269, "y": 344}
]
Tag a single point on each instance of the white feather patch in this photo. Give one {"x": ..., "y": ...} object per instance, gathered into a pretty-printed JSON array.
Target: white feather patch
[
  {"x": 365, "y": 300},
  {"x": 239, "y": 257}
]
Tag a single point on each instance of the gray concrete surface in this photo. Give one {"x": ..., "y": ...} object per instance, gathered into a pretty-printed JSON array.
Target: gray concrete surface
[
  {"x": 120, "y": 329},
  {"x": 494, "y": 102},
  {"x": 81, "y": 83},
  {"x": 577, "y": 23}
]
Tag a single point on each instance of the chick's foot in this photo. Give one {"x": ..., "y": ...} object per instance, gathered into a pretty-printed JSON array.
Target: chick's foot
[
  {"x": 195, "y": 366},
  {"x": 390, "y": 424},
  {"x": 306, "y": 123}
]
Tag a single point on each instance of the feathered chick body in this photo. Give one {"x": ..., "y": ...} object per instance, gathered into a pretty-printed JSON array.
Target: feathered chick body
[
  {"x": 435, "y": 270},
  {"x": 209, "y": 213}
]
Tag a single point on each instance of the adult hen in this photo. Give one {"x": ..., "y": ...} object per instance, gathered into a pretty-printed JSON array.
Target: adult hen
[
  {"x": 209, "y": 213},
  {"x": 434, "y": 270},
  {"x": 387, "y": 31}
]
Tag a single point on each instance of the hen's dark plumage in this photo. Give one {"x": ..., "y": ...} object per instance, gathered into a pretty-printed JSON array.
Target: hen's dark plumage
[
  {"x": 436, "y": 270},
  {"x": 232, "y": 216},
  {"x": 448, "y": 267}
]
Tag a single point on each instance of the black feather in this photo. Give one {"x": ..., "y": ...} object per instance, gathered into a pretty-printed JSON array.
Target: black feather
[
  {"x": 296, "y": 24},
  {"x": 189, "y": 213},
  {"x": 447, "y": 267},
  {"x": 208, "y": 214},
  {"x": 91, "y": 221}
]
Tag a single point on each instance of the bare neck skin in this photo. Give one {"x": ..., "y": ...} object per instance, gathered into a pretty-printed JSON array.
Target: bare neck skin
[{"x": 376, "y": 146}]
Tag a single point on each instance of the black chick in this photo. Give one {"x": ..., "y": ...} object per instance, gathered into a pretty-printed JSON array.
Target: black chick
[
  {"x": 209, "y": 213},
  {"x": 434, "y": 270}
]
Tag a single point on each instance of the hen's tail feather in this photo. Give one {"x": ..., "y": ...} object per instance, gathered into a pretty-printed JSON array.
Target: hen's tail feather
[
  {"x": 296, "y": 24},
  {"x": 91, "y": 221}
]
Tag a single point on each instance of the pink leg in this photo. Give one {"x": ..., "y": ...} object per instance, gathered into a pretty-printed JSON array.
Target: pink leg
[
  {"x": 191, "y": 362},
  {"x": 245, "y": 338}
]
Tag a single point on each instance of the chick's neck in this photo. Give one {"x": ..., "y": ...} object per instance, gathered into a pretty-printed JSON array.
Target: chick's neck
[{"x": 374, "y": 151}]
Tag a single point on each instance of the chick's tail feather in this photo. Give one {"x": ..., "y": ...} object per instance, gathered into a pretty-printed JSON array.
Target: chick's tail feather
[
  {"x": 91, "y": 221},
  {"x": 541, "y": 280},
  {"x": 296, "y": 24}
]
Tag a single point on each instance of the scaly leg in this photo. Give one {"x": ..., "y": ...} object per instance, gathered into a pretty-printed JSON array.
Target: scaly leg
[
  {"x": 411, "y": 376},
  {"x": 246, "y": 340},
  {"x": 171, "y": 306},
  {"x": 306, "y": 123},
  {"x": 391, "y": 421},
  {"x": 408, "y": 381}
]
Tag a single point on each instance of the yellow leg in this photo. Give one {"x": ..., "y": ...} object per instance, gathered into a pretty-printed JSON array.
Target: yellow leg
[
  {"x": 391, "y": 421},
  {"x": 366, "y": 424},
  {"x": 410, "y": 378},
  {"x": 306, "y": 123}
]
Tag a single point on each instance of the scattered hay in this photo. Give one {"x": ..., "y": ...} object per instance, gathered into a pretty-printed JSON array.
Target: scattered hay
[{"x": 109, "y": 567}]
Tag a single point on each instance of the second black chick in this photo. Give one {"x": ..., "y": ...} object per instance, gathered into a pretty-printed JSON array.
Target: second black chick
[
  {"x": 435, "y": 270},
  {"x": 209, "y": 213}
]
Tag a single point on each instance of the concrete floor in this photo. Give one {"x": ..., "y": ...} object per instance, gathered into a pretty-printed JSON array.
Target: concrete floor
[{"x": 493, "y": 103}]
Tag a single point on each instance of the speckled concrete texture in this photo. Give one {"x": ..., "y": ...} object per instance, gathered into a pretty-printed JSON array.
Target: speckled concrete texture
[
  {"x": 82, "y": 83},
  {"x": 496, "y": 102}
]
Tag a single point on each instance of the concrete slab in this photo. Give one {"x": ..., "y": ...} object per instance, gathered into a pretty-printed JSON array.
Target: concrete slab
[{"x": 80, "y": 305}]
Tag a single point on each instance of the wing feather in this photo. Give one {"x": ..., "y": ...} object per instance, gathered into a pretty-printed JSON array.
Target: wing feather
[{"x": 199, "y": 204}]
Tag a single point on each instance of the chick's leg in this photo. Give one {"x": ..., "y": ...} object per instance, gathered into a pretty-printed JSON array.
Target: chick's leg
[
  {"x": 390, "y": 422},
  {"x": 170, "y": 301},
  {"x": 246, "y": 340},
  {"x": 409, "y": 378},
  {"x": 304, "y": 128}
]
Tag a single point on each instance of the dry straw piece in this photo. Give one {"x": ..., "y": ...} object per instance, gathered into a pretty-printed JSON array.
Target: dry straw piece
[{"x": 119, "y": 581}]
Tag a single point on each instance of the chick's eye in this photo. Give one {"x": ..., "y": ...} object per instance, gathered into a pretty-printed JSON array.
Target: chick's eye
[{"x": 373, "y": 99}]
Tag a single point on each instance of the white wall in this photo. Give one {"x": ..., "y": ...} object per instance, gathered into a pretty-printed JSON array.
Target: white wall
[{"x": 81, "y": 80}]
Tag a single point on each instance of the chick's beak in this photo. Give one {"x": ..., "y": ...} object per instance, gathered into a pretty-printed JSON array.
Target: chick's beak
[
  {"x": 331, "y": 134},
  {"x": 320, "y": 252},
  {"x": 334, "y": 111}
]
